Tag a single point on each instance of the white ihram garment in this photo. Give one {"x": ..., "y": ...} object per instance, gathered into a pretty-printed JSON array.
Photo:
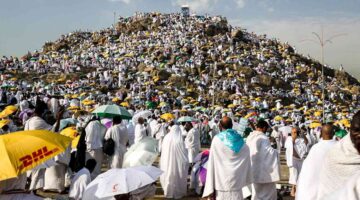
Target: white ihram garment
[
  {"x": 78, "y": 184},
  {"x": 307, "y": 185},
  {"x": 95, "y": 132},
  {"x": 140, "y": 132},
  {"x": 265, "y": 166},
  {"x": 342, "y": 161},
  {"x": 350, "y": 191},
  {"x": 37, "y": 175},
  {"x": 192, "y": 144},
  {"x": 174, "y": 163},
  {"x": 120, "y": 136},
  {"x": 294, "y": 163},
  {"x": 227, "y": 172}
]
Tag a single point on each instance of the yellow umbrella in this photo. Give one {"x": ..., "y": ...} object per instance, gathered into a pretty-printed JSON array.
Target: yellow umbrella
[
  {"x": 88, "y": 102},
  {"x": 116, "y": 99},
  {"x": 4, "y": 122},
  {"x": 75, "y": 142},
  {"x": 345, "y": 122},
  {"x": 72, "y": 133},
  {"x": 167, "y": 116},
  {"x": 317, "y": 114},
  {"x": 315, "y": 125},
  {"x": 24, "y": 150},
  {"x": 125, "y": 104},
  {"x": 10, "y": 109},
  {"x": 278, "y": 118},
  {"x": 162, "y": 104},
  {"x": 231, "y": 106},
  {"x": 74, "y": 108}
]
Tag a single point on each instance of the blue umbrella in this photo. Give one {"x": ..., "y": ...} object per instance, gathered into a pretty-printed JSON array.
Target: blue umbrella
[
  {"x": 65, "y": 122},
  {"x": 186, "y": 119}
]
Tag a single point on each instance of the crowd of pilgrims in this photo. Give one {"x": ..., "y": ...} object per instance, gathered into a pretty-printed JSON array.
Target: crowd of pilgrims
[{"x": 230, "y": 150}]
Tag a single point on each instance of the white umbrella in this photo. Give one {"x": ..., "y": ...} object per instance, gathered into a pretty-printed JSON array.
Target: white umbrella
[
  {"x": 144, "y": 114},
  {"x": 142, "y": 153},
  {"x": 120, "y": 181}
]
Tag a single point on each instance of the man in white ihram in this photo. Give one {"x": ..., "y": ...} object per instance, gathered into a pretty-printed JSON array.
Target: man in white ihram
[
  {"x": 81, "y": 179},
  {"x": 307, "y": 185},
  {"x": 229, "y": 166},
  {"x": 36, "y": 122},
  {"x": 341, "y": 162},
  {"x": 192, "y": 142},
  {"x": 118, "y": 133},
  {"x": 296, "y": 148},
  {"x": 265, "y": 163},
  {"x": 94, "y": 137},
  {"x": 140, "y": 130}
]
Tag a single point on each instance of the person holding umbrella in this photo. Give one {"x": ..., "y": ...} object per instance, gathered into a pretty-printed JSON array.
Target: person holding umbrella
[{"x": 36, "y": 122}]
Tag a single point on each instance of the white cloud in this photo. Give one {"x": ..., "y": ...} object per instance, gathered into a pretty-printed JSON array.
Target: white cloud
[
  {"x": 196, "y": 5},
  {"x": 124, "y": 1},
  {"x": 240, "y": 3}
]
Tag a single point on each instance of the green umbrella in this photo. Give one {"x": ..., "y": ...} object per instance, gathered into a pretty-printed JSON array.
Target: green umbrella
[
  {"x": 110, "y": 111},
  {"x": 341, "y": 133},
  {"x": 150, "y": 105},
  {"x": 186, "y": 119}
]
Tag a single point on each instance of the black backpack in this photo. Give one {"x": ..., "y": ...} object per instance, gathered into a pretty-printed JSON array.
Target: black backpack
[{"x": 109, "y": 147}]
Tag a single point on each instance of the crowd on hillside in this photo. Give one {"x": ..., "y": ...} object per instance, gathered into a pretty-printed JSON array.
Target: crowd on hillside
[{"x": 188, "y": 83}]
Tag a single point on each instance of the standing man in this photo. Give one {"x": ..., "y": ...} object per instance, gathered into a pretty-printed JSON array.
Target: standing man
[
  {"x": 296, "y": 148},
  {"x": 265, "y": 163},
  {"x": 36, "y": 122},
  {"x": 94, "y": 137},
  {"x": 342, "y": 161},
  {"x": 192, "y": 141},
  {"x": 229, "y": 166},
  {"x": 309, "y": 176},
  {"x": 118, "y": 133},
  {"x": 140, "y": 130}
]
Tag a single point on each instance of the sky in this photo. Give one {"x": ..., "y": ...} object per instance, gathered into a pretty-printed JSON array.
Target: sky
[{"x": 26, "y": 25}]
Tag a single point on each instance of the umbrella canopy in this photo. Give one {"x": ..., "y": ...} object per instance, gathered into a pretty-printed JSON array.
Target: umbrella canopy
[
  {"x": 110, "y": 111},
  {"x": 121, "y": 181},
  {"x": 186, "y": 119},
  {"x": 72, "y": 133},
  {"x": 167, "y": 116},
  {"x": 144, "y": 114},
  {"x": 315, "y": 125},
  {"x": 142, "y": 153},
  {"x": 278, "y": 118},
  {"x": 125, "y": 104},
  {"x": 150, "y": 105},
  {"x": 8, "y": 111},
  {"x": 24, "y": 150},
  {"x": 4, "y": 122},
  {"x": 65, "y": 122}
]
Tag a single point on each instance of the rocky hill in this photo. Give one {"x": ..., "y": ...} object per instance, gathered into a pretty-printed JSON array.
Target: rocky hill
[{"x": 158, "y": 43}]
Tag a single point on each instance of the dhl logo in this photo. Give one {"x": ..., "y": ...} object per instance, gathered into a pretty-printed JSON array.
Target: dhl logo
[{"x": 36, "y": 156}]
